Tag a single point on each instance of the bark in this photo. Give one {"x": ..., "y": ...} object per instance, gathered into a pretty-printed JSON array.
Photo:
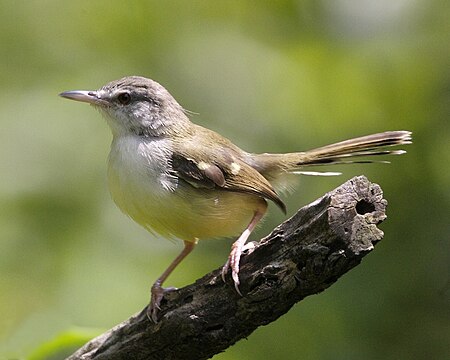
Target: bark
[{"x": 301, "y": 257}]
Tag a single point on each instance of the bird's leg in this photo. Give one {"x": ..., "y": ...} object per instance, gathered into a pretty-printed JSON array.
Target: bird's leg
[
  {"x": 238, "y": 247},
  {"x": 157, "y": 291}
]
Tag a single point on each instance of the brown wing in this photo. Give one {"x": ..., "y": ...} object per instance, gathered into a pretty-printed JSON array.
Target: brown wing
[
  {"x": 225, "y": 171},
  {"x": 198, "y": 174}
]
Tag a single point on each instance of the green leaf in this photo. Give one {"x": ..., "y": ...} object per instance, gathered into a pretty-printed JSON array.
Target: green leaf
[{"x": 64, "y": 344}]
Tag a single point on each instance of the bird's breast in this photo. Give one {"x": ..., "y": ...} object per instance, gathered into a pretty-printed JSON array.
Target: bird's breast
[
  {"x": 139, "y": 178},
  {"x": 143, "y": 187}
]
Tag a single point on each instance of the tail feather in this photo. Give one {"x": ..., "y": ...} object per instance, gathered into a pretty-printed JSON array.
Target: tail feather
[
  {"x": 347, "y": 158},
  {"x": 362, "y": 146},
  {"x": 272, "y": 166}
]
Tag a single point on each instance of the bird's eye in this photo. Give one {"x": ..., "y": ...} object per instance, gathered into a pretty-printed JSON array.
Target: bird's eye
[{"x": 124, "y": 98}]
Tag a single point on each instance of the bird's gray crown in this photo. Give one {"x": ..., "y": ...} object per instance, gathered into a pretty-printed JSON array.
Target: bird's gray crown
[{"x": 142, "y": 106}]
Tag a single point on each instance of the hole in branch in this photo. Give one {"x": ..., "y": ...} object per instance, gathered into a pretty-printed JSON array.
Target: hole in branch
[{"x": 364, "y": 207}]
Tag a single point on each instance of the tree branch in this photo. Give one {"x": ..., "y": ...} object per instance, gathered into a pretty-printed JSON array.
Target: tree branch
[{"x": 301, "y": 257}]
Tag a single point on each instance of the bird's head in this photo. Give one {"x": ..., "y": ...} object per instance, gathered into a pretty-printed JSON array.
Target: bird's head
[{"x": 135, "y": 104}]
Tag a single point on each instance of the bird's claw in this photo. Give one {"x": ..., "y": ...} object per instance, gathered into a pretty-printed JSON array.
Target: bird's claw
[
  {"x": 233, "y": 263},
  {"x": 157, "y": 294}
]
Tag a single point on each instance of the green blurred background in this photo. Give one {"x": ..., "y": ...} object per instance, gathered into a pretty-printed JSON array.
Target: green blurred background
[{"x": 271, "y": 75}]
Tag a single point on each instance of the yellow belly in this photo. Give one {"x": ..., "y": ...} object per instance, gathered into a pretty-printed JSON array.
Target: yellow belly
[
  {"x": 188, "y": 214},
  {"x": 170, "y": 207}
]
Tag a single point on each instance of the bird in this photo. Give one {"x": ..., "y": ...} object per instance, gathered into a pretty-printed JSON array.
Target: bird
[{"x": 183, "y": 181}]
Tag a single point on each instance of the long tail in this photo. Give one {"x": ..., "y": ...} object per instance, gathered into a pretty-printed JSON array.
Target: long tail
[
  {"x": 350, "y": 151},
  {"x": 344, "y": 152}
]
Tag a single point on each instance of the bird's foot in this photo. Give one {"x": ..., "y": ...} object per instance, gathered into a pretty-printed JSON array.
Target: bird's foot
[
  {"x": 233, "y": 262},
  {"x": 157, "y": 294}
]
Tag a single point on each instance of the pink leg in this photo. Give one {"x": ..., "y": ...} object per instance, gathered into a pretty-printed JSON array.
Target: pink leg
[
  {"x": 157, "y": 291},
  {"x": 237, "y": 247}
]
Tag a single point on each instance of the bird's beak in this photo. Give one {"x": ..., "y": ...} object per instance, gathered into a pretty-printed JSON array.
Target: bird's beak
[{"x": 90, "y": 97}]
